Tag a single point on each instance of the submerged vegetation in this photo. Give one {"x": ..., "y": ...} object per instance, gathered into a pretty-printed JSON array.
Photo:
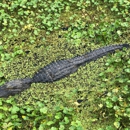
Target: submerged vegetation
[{"x": 34, "y": 33}]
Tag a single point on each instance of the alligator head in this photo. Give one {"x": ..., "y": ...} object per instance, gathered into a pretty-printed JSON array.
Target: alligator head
[{"x": 15, "y": 86}]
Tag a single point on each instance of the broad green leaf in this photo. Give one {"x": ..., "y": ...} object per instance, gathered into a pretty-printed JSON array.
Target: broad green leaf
[
  {"x": 14, "y": 109},
  {"x": 44, "y": 110},
  {"x": 127, "y": 70},
  {"x": 50, "y": 123},
  {"x": 1, "y": 74},
  {"x": 66, "y": 120},
  {"x": 58, "y": 115},
  {"x": 117, "y": 124}
]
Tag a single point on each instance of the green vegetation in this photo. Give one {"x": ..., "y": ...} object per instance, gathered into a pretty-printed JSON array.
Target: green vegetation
[
  {"x": 116, "y": 102},
  {"x": 37, "y": 117},
  {"x": 34, "y": 33}
]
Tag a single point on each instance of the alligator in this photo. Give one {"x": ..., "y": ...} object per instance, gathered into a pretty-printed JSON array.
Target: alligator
[{"x": 57, "y": 70}]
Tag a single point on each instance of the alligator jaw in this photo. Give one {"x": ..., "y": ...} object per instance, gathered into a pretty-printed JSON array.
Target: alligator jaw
[
  {"x": 4, "y": 92},
  {"x": 14, "y": 87}
]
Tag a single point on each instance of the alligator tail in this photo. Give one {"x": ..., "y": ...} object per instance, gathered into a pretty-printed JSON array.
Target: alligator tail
[{"x": 98, "y": 53}]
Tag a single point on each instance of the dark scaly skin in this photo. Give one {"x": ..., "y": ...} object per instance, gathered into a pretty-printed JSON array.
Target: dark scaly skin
[
  {"x": 56, "y": 70},
  {"x": 62, "y": 68}
]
